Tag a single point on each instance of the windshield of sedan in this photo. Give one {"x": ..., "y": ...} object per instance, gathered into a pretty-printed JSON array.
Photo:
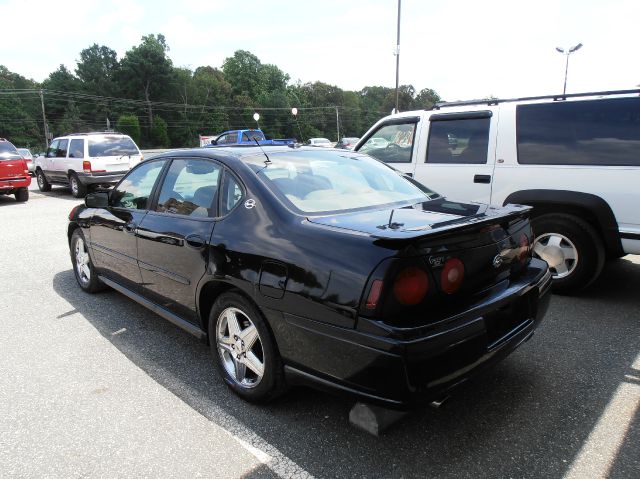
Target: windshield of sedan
[{"x": 322, "y": 182}]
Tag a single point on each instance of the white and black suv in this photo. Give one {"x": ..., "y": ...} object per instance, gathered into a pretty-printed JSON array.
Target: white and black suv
[
  {"x": 574, "y": 158},
  {"x": 81, "y": 160}
]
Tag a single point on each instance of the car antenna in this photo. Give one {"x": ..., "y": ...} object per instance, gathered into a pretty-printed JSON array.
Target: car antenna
[{"x": 267, "y": 161}]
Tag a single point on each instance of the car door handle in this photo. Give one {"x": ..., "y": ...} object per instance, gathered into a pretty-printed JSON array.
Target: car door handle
[
  {"x": 482, "y": 179},
  {"x": 195, "y": 241}
]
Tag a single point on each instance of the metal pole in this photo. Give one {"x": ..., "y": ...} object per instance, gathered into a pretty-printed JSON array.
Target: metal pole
[
  {"x": 398, "y": 61},
  {"x": 44, "y": 121},
  {"x": 566, "y": 70},
  {"x": 338, "y": 123}
]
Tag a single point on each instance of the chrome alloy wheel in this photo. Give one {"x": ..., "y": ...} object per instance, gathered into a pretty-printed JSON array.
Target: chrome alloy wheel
[
  {"x": 240, "y": 347},
  {"x": 74, "y": 185},
  {"x": 40, "y": 178},
  {"x": 558, "y": 251},
  {"x": 82, "y": 261}
]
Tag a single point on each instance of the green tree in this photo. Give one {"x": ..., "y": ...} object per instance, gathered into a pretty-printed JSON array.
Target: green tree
[
  {"x": 159, "y": 135},
  {"x": 129, "y": 125},
  {"x": 242, "y": 71},
  {"x": 427, "y": 98},
  {"x": 146, "y": 69}
]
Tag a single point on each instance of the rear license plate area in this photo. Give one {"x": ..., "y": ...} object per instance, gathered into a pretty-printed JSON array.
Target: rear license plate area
[{"x": 502, "y": 322}]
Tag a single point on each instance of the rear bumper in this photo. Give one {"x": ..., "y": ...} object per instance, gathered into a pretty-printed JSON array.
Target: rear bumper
[
  {"x": 110, "y": 177},
  {"x": 408, "y": 367},
  {"x": 7, "y": 184}
]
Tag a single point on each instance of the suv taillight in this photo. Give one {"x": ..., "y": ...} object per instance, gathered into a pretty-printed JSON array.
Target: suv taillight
[{"x": 86, "y": 166}]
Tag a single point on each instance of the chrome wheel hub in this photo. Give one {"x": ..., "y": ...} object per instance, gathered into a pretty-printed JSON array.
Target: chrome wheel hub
[
  {"x": 40, "y": 180},
  {"x": 240, "y": 347},
  {"x": 558, "y": 251},
  {"x": 82, "y": 262}
]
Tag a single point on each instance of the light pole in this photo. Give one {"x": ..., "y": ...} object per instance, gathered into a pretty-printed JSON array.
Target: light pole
[
  {"x": 566, "y": 67},
  {"x": 397, "y": 53}
]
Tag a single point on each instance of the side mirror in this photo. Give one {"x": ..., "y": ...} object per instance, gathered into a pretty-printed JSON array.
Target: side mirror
[
  {"x": 214, "y": 142},
  {"x": 97, "y": 200}
]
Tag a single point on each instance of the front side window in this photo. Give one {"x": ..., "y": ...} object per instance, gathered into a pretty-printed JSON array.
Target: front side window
[
  {"x": 134, "y": 190},
  {"x": 588, "y": 132},
  {"x": 391, "y": 143},
  {"x": 61, "y": 151},
  {"x": 76, "y": 149},
  {"x": 458, "y": 141},
  {"x": 190, "y": 188},
  {"x": 51, "y": 151},
  {"x": 321, "y": 182}
]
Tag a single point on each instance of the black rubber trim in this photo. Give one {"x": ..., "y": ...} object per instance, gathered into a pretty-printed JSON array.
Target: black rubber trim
[
  {"x": 632, "y": 236},
  {"x": 464, "y": 115},
  {"x": 576, "y": 200},
  {"x": 115, "y": 254},
  {"x": 160, "y": 311}
]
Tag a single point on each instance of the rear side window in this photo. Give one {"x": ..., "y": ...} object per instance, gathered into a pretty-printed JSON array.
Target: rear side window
[
  {"x": 231, "y": 194},
  {"x": 190, "y": 188},
  {"x": 592, "y": 132},
  {"x": 76, "y": 149},
  {"x": 464, "y": 140},
  {"x": 392, "y": 143}
]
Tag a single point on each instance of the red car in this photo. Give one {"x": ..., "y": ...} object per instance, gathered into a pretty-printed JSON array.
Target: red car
[{"x": 14, "y": 173}]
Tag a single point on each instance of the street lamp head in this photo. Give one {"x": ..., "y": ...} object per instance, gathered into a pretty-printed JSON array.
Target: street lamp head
[
  {"x": 561, "y": 50},
  {"x": 577, "y": 47}
]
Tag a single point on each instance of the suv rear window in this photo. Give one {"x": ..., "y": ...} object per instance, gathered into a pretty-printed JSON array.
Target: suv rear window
[
  {"x": 112, "y": 146},
  {"x": 591, "y": 132},
  {"x": 8, "y": 151}
]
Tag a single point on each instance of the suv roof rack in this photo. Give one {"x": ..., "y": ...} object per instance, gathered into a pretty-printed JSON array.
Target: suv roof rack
[
  {"x": 495, "y": 101},
  {"x": 95, "y": 133}
]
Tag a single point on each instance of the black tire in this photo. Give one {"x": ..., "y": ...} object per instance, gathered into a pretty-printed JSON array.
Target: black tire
[
  {"x": 92, "y": 284},
  {"x": 78, "y": 189},
  {"x": 587, "y": 242},
  {"x": 272, "y": 382},
  {"x": 22, "y": 195},
  {"x": 43, "y": 184}
]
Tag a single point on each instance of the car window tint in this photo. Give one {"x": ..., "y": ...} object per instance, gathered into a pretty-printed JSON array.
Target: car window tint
[
  {"x": 134, "y": 190},
  {"x": 61, "y": 151},
  {"x": 591, "y": 132},
  {"x": 51, "y": 151},
  {"x": 76, "y": 149},
  {"x": 189, "y": 188},
  {"x": 231, "y": 194},
  {"x": 458, "y": 141},
  {"x": 396, "y": 145},
  {"x": 111, "y": 145}
]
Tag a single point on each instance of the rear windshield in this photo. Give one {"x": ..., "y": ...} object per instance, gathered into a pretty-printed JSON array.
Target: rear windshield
[
  {"x": 322, "y": 182},
  {"x": 112, "y": 146},
  {"x": 8, "y": 151}
]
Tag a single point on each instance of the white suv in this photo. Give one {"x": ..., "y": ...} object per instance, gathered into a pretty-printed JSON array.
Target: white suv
[
  {"x": 574, "y": 158},
  {"x": 83, "y": 159}
]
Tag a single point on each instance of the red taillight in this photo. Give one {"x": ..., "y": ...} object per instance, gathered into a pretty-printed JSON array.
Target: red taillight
[
  {"x": 86, "y": 166},
  {"x": 411, "y": 286},
  {"x": 374, "y": 294},
  {"x": 523, "y": 248},
  {"x": 72, "y": 213},
  {"x": 452, "y": 276}
]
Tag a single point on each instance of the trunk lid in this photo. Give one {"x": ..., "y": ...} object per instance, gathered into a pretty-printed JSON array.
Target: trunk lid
[{"x": 12, "y": 166}]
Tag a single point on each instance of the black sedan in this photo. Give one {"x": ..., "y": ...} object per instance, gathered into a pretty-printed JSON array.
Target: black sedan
[{"x": 317, "y": 267}]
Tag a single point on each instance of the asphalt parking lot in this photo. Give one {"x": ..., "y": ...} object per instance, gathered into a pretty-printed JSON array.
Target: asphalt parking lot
[{"x": 97, "y": 386}]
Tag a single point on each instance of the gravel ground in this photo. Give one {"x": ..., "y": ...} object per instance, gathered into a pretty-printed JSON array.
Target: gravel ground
[{"x": 97, "y": 386}]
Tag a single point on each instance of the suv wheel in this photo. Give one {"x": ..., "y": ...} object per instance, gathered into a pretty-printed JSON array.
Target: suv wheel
[
  {"x": 572, "y": 248},
  {"x": 82, "y": 265},
  {"x": 22, "y": 195},
  {"x": 43, "y": 184},
  {"x": 78, "y": 190},
  {"x": 244, "y": 349}
]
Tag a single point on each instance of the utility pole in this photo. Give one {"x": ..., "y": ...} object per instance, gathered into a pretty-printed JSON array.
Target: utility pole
[
  {"x": 44, "y": 121},
  {"x": 398, "y": 61},
  {"x": 338, "y": 123}
]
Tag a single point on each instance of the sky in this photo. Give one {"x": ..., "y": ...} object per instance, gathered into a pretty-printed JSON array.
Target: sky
[{"x": 461, "y": 49}]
